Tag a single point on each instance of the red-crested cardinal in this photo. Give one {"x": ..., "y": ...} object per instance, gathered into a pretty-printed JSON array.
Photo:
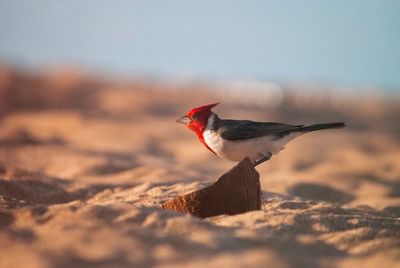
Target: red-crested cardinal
[{"x": 237, "y": 139}]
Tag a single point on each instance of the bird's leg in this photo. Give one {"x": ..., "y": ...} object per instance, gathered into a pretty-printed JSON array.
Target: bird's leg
[{"x": 262, "y": 159}]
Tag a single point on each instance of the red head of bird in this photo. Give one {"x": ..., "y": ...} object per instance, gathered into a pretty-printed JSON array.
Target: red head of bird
[{"x": 196, "y": 119}]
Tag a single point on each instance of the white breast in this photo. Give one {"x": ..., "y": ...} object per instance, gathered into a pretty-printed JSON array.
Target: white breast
[{"x": 214, "y": 141}]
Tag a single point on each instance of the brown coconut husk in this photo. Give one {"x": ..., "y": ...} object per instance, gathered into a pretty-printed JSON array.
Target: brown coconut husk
[{"x": 237, "y": 191}]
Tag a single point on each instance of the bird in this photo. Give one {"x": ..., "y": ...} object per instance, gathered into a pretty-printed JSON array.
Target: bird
[{"x": 237, "y": 139}]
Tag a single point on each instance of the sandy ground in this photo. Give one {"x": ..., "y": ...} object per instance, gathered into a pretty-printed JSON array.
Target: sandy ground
[{"x": 86, "y": 163}]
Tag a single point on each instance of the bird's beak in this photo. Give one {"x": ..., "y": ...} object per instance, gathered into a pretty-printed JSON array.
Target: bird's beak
[{"x": 184, "y": 120}]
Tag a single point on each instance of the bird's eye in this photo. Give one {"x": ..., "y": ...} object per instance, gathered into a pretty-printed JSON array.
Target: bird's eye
[{"x": 195, "y": 116}]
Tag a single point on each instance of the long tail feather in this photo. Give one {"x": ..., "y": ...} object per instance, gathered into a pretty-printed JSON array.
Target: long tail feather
[{"x": 323, "y": 126}]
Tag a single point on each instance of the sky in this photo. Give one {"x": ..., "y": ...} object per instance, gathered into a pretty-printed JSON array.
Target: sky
[{"x": 345, "y": 42}]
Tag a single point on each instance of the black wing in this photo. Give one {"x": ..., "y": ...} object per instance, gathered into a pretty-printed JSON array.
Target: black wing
[{"x": 246, "y": 129}]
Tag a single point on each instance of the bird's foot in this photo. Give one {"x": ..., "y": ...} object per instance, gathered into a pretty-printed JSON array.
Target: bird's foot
[{"x": 263, "y": 159}]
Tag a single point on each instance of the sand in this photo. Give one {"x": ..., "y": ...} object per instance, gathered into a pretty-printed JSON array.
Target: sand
[{"x": 86, "y": 162}]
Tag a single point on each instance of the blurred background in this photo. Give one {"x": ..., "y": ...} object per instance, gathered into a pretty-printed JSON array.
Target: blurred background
[
  {"x": 285, "y": 60},
  {"x": 343, "y": 43},
  {"x": 299, "y": 62}
]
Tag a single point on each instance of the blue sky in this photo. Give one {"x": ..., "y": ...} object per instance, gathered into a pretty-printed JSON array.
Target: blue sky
[{"x": 350, "y": 42}]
